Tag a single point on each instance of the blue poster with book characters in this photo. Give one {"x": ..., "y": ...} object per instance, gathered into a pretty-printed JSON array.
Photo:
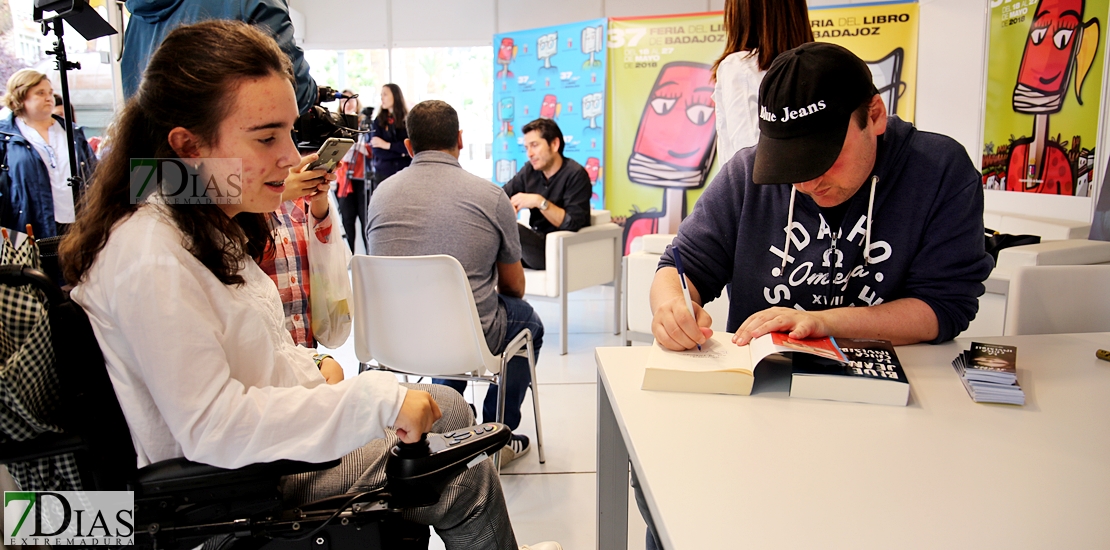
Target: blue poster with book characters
[{"x": 556, "y": 73}]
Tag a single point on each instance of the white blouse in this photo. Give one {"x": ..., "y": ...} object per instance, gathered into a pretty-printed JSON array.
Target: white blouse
[
  {"x": 736, "y": 95},
  {"x": 55, "y": 157},
  {"x": 207, "y": 371}
]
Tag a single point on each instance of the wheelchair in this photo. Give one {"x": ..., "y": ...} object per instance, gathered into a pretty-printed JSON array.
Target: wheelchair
[{"x": 183, "y": 504}]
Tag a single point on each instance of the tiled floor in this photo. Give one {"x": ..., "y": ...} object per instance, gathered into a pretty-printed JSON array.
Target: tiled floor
[{"x": 557, "y": 500}]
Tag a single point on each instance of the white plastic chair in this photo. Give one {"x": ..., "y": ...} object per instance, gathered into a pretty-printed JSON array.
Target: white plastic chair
[
  {"x": 576, "y": 260},
  {"x": 1053, "y": 299},
  {"x": 416, "y": 315}
]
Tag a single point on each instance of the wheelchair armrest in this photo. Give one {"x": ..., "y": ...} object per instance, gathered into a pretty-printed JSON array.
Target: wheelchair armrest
[
  {"x": 437, "y": 457},
  {"x": 178, "y": 474},
  {"x": 415, "y": 473}
]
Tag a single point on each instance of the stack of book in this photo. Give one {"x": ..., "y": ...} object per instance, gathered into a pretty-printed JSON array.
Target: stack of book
[
  {"x": 989, "y": 372},
  {"x": 843, "y": 369}
]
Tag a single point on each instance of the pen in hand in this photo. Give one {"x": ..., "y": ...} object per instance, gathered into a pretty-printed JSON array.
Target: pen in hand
[{"x": 685, "y": 289}]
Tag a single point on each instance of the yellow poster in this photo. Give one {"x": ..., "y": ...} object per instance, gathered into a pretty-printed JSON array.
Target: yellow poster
[
  {"x": 661, "y": 146},
  {"x": 1044, "y": 83},
  {"x": 883, "y": 35},
  {"x": 662, "y": 129}
]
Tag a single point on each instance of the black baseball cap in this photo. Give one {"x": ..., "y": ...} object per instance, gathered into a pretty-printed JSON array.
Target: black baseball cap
[{"x": 806, "y": 101}]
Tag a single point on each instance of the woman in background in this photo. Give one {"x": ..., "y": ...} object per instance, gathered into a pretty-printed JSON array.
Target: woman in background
[
  {"x": 757, "y": 32},
  {"x": 389, "y": 134},
  {"x": 351, "y": 191},
  {"x": 38, "y": 159}
]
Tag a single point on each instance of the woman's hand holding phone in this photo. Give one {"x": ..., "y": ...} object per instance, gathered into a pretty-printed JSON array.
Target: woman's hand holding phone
[{"x": 314, "y": 183}]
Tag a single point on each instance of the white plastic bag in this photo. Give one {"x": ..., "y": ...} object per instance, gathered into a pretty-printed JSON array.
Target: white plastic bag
[{"x": 329, "y": 290}]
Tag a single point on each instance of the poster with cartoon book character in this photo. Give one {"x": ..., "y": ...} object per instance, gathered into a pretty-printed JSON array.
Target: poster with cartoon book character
[
  {"x": 556, "y": 73},
  {"x": 663, "y": 132},
  {"x": 1044, "y": 88},
  {"x": 662, "y": 138},
  {"x": 885, "y": 37}
]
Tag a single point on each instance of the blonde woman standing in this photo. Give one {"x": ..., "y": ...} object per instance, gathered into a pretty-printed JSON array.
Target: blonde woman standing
[{"x": 35, "y": 144}]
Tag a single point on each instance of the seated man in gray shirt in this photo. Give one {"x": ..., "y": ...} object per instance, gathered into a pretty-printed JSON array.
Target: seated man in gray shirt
[
  {"x": 436, "y": 207},
  {"x": 555, "y": 188}
]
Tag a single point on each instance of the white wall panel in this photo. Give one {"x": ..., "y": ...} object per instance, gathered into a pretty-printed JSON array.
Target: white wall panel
[
  {"x": 342, "y": 24},
  {"x": 419, "y": 23},
  {"x": 632, "y": 8},
  {"x": 950, "y": 70},
  {"x": 516, "y": 15},
  {"x": 297, "y": 18}
]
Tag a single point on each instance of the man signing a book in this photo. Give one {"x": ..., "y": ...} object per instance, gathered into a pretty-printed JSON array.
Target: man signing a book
[{"x": 840, "y": 222}]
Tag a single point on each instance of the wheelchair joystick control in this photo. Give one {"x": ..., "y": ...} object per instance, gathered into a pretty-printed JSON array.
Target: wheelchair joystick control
[
  {"x": 436, "y": 453},
  {"x": 414, "y": 450}
]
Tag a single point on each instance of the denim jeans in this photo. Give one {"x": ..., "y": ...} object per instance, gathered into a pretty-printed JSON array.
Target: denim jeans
[
  {"x": 651, "y": 538},
  {"x": 517, "y": 375}
]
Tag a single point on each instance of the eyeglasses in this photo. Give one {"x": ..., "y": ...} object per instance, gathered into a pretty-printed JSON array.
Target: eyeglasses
[{"x": 53, "y": 157}]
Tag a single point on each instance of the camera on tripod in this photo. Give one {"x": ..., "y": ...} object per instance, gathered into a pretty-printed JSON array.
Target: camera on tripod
[
  {"x": 88, "y": 23},
  {"x": 316, "y": 125}
]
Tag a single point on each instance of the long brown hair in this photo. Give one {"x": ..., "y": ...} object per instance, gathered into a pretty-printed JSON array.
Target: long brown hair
[
  {"x": 189, "y": 83},
  {"x": 398, "y": 112},
  {"x": 764, "y": 27}
]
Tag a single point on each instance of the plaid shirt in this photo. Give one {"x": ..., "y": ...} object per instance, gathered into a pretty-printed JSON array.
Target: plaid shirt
[{"x": 287, "y": 264}]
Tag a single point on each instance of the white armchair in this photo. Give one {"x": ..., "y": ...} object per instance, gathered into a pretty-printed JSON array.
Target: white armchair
[
  {"x": 1053, "y": 299},
  {"x": 639, "y": 271},
  {"x": 994, "y": 305},
  {"x": 1049, "y": 229},
  {"x": 1063, "y": 242},
  {"x": 576, "y": 260}
]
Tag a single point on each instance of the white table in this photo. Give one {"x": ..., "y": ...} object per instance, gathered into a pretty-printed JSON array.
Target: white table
[{"x": 767, "y": 471}]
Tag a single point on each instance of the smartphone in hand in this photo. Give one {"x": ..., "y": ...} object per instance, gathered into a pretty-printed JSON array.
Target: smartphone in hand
[{"x": 331, "y": 152}]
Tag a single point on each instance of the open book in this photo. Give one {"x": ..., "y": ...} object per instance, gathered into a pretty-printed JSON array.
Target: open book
[{"x": 723, "y": 367}]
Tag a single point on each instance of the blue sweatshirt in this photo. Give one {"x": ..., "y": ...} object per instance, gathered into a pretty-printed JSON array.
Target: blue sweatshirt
[
  {"x": 926, "y": 237},
  {"x": 152, "y": 20}
]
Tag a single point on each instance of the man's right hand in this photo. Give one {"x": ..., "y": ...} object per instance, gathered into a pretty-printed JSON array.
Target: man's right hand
[
  {"x": 676, "y": 329},
  {"x": 418, "y": 412}
]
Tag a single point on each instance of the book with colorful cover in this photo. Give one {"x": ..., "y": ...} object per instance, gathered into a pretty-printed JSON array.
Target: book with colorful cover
[
  {"x": 991, "y": 363},
  {"x": 871, "y": 373}
]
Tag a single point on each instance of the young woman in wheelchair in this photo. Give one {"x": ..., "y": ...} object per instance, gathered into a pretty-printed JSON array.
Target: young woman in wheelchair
[{"x": 193, "y": 331}]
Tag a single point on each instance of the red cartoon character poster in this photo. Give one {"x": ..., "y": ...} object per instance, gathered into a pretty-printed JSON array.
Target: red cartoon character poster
[
  {"x": 505, "y": 55},
  {"x": 676, "y": 140},
  {"x": 662, "y": 127},
  {"x": 1044, "y": 84}
]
